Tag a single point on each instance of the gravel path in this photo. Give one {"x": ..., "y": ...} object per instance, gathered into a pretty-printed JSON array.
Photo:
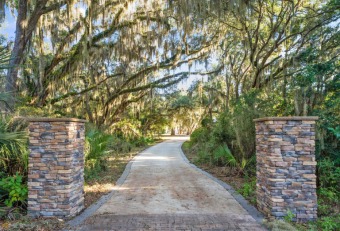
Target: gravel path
[{"x": 163, "y": 192}]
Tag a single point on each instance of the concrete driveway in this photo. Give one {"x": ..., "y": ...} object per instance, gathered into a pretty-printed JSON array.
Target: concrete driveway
[{"x": 163, "y": 192}]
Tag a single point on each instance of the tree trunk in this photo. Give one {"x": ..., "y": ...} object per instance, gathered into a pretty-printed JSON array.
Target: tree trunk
[
  {"x": 23, "y": 33},
  {"x": 237, "y": 95},
  {"x": 227, "y": 92},
  {"x": 17, "y": 52}
]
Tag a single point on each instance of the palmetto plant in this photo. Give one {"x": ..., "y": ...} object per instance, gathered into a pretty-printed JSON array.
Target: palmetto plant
[
  {"x": 96, "y": 142},
  {"x": 13, "y": 141},
  {"x": 223, "y": 156},
  {"x": 95, "y": 151},
  {"x": 13, "y": 150}
]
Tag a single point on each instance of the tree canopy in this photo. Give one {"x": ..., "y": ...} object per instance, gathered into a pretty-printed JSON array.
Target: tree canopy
[{"x": 99, "y": 59}]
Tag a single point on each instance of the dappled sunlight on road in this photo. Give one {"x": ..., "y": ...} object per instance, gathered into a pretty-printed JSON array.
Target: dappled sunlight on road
[
  {"x": 168, "y": 137},
  {"x": 141, "y": 158}
]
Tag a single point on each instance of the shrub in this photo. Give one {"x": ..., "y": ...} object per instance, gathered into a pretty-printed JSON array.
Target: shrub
[
  {"x": 222, "y": 156},
  {"x": 143, "y": 141},
  {"x": 96, "y": 143},
  {"x": 231, "y": 139},
  {"x": 243, "y": 125},
  {"x": 199, "y": 136},
  {"x": 329, "y": 174},
  {"x": 119, "y": 145},
  {"x": 13, "y": 148},
  {"x": 128, "y": 129},
  {"x": 329, "y": 223},
  {"x": 248, "y": 190},
  {"x": 16, "y": 190}
]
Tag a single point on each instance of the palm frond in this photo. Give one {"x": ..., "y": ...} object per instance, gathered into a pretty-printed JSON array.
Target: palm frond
[
  {"x": 13, "y": 149},
  {"x": 223, "y": 154}
]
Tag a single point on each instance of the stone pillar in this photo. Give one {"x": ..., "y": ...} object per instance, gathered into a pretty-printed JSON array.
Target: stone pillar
[
  {"x": 56, "y": 167},
  {"x": 285, "y": 155}
]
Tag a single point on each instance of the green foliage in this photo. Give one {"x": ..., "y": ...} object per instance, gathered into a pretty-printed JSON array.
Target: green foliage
[
  {"x": 199, "y": 136},
  {"x": 99, "y": 146},
  {"x": 329, "y": 223},
  {"x": 324, "y": 223},
  {"x": 335, "y": 131},
  {"x": 182, "y": 101},
  {"x": 242, "y": 121},
  {"x": 186, "y": 145},
  {"x": 96, "y": 143},
  {"x": 13, "y": 148},
  {"x": 328, "y": 174},
  {"x": 289, "y": 216},
  {"x": 5, "y": 57},
  {"x": 27, "y": 111},
  {"x": 16, "y": 190},
  {"x": 222, "y": 156},
  {"x": 127, "y": 128},
  {"x": 143, "y": 141},
  {"x": 230, "y": 141},
  {"x": 328, "y": 201},
  {"x": 120, "y": 145},
  {"x": 248, "y": 190}
]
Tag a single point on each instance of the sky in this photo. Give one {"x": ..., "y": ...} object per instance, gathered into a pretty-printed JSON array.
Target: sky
[{"x": 7, "y": 28}]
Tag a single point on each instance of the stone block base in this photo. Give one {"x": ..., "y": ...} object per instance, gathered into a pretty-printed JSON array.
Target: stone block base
[
  {"x": 285, "y": 154},
  {"x": 56, "y": 167}
]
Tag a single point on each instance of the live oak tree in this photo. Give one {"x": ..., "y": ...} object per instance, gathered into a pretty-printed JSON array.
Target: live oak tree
[
  {"x": 94, "y": 53},
  {"x": 95, "y": 58},
  {"x": 29, "y": 14}
]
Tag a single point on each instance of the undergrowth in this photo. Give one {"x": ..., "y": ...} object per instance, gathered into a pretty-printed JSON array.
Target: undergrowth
[{"x": 229, "y": 142}]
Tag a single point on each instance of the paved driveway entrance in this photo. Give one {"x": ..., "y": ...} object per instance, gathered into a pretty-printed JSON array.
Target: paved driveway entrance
[{"x": 164, "y": 192}]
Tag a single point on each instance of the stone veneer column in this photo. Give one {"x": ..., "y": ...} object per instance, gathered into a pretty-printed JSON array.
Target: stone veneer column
[
  {"x": 285, "y": 155},
  {"x": 56, "y": 167}
]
